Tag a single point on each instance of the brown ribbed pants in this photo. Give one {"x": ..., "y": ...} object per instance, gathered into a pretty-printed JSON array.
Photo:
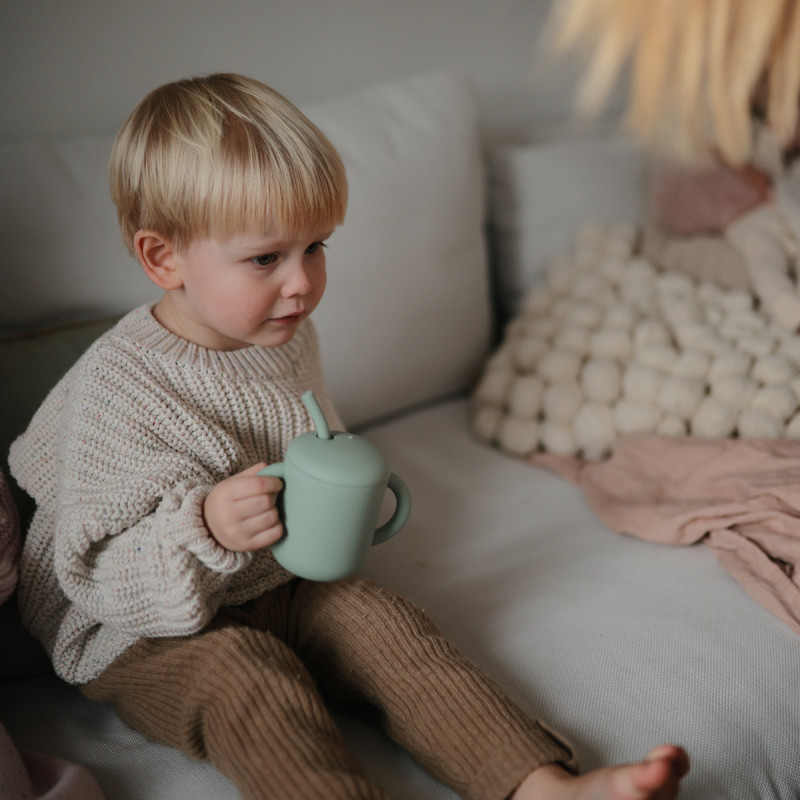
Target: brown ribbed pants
[{"x": 241, "y": 694}]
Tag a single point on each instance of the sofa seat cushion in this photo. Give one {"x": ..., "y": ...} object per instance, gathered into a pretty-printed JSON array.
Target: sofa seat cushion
[{"x": 617, "y": 643}]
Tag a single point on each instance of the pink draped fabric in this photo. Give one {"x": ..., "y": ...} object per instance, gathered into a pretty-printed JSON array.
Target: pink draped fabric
[{"x": 739, "y": 497}]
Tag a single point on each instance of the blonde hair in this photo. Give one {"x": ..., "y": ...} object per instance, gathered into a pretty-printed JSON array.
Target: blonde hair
[
  {"x": 698, "y": 67},
  {"x": 209, "y": 156}
]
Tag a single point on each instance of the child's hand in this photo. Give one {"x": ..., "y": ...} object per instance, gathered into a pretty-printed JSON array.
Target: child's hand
[{"x": 240, "y": 511}]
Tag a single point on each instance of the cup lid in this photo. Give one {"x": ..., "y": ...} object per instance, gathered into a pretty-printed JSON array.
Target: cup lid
[{"x": 344, "y": 459}]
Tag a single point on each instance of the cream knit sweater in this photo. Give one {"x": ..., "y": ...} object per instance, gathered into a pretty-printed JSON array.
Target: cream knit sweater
[{"x": 119, "y": 459}]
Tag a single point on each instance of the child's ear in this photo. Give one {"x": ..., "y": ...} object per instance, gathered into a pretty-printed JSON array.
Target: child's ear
[{"x": 156, "y": 254}]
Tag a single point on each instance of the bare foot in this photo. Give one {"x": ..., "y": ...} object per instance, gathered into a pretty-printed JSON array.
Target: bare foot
[{"x": 657, "y": 777}]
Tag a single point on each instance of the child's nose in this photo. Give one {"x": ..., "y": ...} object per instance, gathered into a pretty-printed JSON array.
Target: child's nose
[{"x": 298, "y": 281}]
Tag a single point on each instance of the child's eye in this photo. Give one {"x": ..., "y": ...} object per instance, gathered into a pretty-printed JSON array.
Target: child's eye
[
  {"x": 315, "y": 248},
  {"x": 265, "y": 260}
]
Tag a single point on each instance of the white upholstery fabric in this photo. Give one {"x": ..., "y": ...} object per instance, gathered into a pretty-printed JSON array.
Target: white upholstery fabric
[{"x": 617, "y": 643}]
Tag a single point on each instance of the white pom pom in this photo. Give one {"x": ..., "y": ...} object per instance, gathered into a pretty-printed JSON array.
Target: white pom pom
[
  {"x": 692, "y": 333},
  {"x": 500, "y": 360},
  {"x": 584, "y": 315},
  {"x": 561, "y": 401},
  {"x": 691, "y": 364},
  {"x": 650, "y": 331},
  {"x": 748, "y": 319},
  {"x": 592, "y": 288},
  {"x": 671, "y": 426},
  {"x": 773, "y": 369},
  {"x": 558, "y": 366},
  {"x": 494, "y": 387},
  {"x": 710, "y": 293},
  {"x": 518, "y": 436},
  {"x": 543, "y": 327},
  {"x": 757, "y": 344},
  {"x": 755, "y": 424},
  {"x": 517, "y": 328},
  {"x": 575, "y": 339},
  {"x": 777, "y": 400},
  {"x": 594, "y": 430},
  {"x": 729, "y": 364},
  {"x": 659, "y": 356},
  {"x": 614, "y": 343},
  {"x": 675, "y": 283},
  {"x": 486, "y": 422},
  {"x": 714, "y": 419},
  {"x": 538, "y": 301},
  {"x": 680, "y": 397},
  {"x": 631, "y": 417},
  {"x": 790, "y": 348},
  {"x": 737, "y": 300},
  {"x": 620, "y": 315},
  {"x": 612, "y": 268},
  {"x": 684, "y": 311},
  {"x": 526, "y": 353},
  {"x": 737, "y": 391},
  {"x": 601, "y": 379},
  {"x": 558, "y": 437},
  {"x": 525, "y": 396},
  {"x": 642, "y": 383},
  {"x": 713, "y": 345}
]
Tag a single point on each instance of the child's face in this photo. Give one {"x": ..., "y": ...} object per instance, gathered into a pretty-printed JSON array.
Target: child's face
[{"x": 251, "y": 289}]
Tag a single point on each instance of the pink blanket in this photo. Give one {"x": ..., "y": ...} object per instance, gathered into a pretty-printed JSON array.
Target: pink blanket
[{"x": 740, "y": 497}]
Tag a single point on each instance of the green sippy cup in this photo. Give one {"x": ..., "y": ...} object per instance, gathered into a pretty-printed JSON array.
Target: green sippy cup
[{"x": 334, "y": 485}]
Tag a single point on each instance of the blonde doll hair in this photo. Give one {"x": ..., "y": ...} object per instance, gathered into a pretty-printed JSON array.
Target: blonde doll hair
[
  {"x": 696, "y": 67},
  {"x": 211, "y": 156}
]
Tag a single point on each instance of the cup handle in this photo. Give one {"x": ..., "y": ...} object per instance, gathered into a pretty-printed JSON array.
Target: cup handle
[
  {"x": 403, "y": 497},
  {"x": 276, "y": 470}
]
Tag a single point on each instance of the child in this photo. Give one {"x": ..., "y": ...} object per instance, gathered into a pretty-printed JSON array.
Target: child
[{"x": 146, "y": 573}]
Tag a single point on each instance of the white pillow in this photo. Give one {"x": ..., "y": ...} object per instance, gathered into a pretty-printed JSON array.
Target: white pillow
[
  {"x": 406, "y": 318},
  {"x": 541, "y": 193}
]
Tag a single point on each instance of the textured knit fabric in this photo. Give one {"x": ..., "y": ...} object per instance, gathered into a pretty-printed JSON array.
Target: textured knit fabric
[
  {"x": 254, "y": 671},
  {"x": 131, "y": 441}
]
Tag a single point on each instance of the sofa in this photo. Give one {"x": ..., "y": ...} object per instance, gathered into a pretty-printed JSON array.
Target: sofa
[{"x": 618, "y": 643}]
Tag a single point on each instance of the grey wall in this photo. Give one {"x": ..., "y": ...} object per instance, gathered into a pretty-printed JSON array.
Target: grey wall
[{"x": 79, "y": 66}]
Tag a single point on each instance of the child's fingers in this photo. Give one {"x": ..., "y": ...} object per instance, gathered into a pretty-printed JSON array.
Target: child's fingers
[
  {"x": 249, "y": 484},
  {"x": 254, "y": 505},
  {"x": 263, "y": 530}
]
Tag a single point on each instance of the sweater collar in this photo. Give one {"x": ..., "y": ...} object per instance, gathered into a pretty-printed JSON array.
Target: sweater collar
[{"x": 143, "y": 330}]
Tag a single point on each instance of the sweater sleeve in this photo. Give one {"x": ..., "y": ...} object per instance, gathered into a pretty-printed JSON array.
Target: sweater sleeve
[{"x": 131, "y": 546}]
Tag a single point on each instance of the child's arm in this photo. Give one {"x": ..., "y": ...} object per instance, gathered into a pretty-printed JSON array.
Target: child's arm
[{"x": 132, "y": 548}]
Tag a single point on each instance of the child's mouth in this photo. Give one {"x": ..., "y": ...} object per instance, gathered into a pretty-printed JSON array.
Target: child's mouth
[{"x": 289, "y": 319}]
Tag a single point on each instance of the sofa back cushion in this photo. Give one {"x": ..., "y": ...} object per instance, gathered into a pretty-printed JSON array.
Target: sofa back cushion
[{"x": 406, "y": 317}]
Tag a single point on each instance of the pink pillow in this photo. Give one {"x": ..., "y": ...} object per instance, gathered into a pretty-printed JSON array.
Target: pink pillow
[
  {"x": 686, "y": 201},
  {"x": 9, "y": 541}
]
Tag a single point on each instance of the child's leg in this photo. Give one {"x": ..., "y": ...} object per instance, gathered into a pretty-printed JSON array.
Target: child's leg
[
  {"x": 240, "y": 698},
  {"x": 365, "y": 642}
]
